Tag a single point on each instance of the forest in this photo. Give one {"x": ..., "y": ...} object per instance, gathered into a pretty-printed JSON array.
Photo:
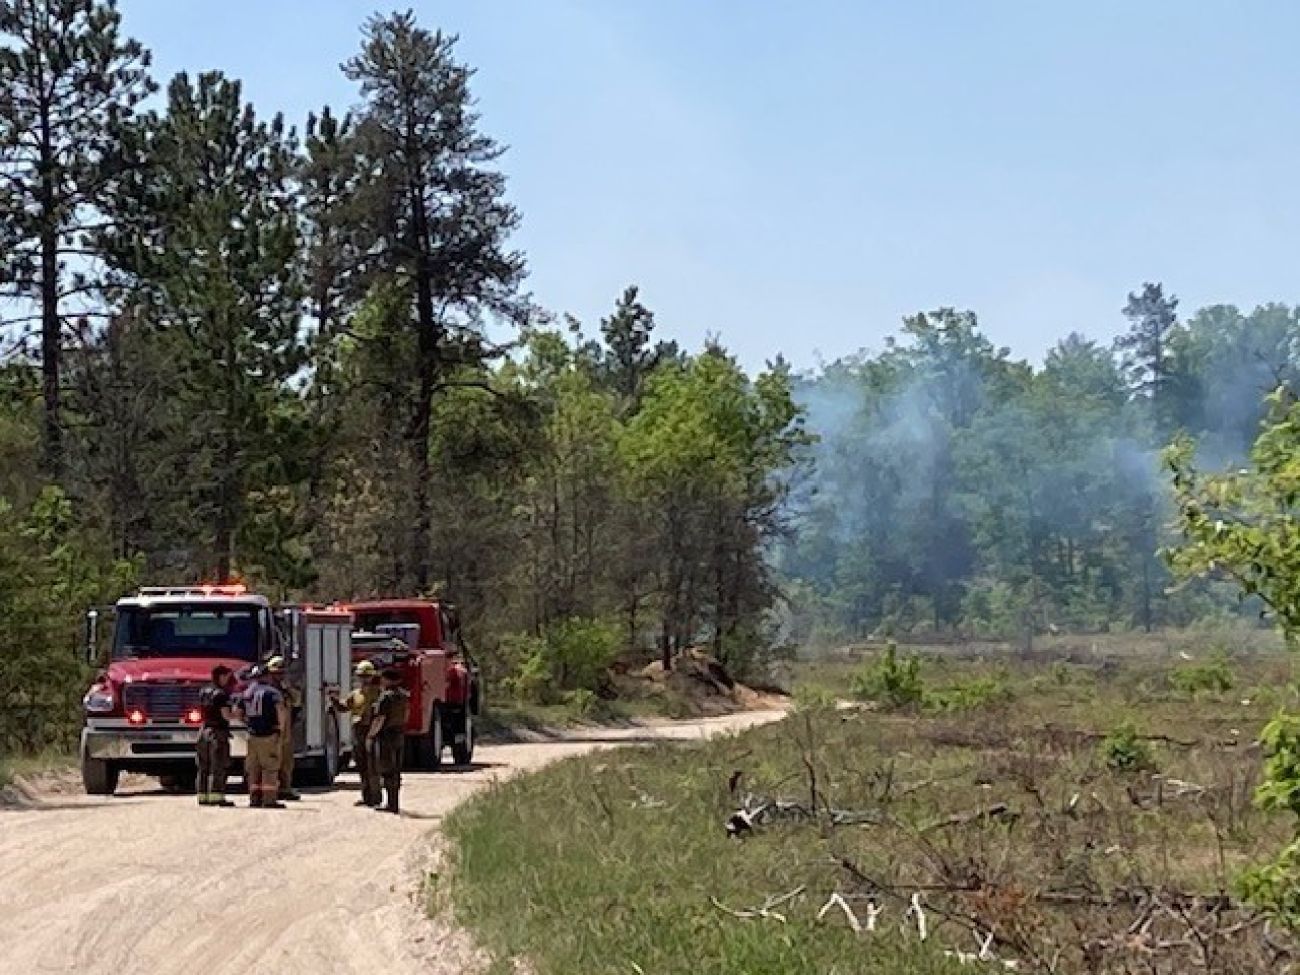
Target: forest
[
  {"x": 957, "y": 489},
  {"x": 303, "y": 353}
]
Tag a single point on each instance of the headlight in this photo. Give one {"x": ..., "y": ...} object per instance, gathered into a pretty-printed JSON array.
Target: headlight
[{"x": 99, "y": 699}]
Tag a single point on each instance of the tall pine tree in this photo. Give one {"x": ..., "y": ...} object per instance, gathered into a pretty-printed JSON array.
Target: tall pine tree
[
  {"x": 433, "y": 219},
  {"x": 207, "y": 256},
  {"x": 67, "y": 80}
]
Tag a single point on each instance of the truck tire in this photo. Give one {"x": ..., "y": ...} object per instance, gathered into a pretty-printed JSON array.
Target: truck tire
[
  {"x": 99, "y": 777},
  {"x": 181, "y": 783},
  {"x": 462, "y": 742}
]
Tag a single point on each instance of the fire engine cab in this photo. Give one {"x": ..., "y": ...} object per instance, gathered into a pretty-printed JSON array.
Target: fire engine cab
[
  {"x": 142, "y": 711},
  {"x": 437, "y": 671}
]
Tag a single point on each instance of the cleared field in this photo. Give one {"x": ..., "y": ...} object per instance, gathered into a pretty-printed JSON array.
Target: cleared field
[{"x": 1072, "y": 816}]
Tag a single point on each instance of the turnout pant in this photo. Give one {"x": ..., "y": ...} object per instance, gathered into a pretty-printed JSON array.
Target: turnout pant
[
  {"x": 389, "y": 754},
  {"x": 262, "y": 766},
  {"x": 214, "y": 764},
  {"x": 286, "y": 762},
  {"x": 367, "y": 766}
]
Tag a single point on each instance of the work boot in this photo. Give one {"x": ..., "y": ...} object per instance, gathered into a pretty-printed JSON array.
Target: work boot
[
  {"x": 223, "y": 803},
  {"x": 274, "y": 805},
  {"x": 288, "y": 795}
]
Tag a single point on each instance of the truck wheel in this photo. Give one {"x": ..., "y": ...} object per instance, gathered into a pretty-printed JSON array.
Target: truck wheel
[
  {"x": 462, "y": 745},
  {"x": 180, "y": 783},
  {"x": 99, "y": 777}
]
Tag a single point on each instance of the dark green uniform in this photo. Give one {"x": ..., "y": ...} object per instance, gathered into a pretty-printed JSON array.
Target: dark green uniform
[{"x": 392, "y": 705}]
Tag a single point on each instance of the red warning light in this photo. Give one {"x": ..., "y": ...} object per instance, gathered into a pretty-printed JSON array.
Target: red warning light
[
  {"x": 193, "y": 716},
  {"x": 135, "y": 717}
]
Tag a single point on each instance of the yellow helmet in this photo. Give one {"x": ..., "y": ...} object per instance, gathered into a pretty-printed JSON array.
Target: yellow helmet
[
  {"x": 364, "y": 669},
  {"x": 275, "y": 665}
]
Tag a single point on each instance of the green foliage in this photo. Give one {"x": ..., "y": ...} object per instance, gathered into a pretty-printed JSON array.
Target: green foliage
[
  {"x": 1243, "y": 525},
  {"x": 582, "y": 703},
  {"x": 52, "y": 566},
  {"x": 1281, "y": 786},
  {"x": 1213, "y": 677},
  {"x": 571, "y": 658},
  {"x": 891, "y": 682},
  {"x": 1124, "y": 751},
  {"x": 1275, "y": 886},
  {"x": 811, "y": 697},
  {"x": 581, "y": 651},
  {"x": 69, "y": 79},
  {"x": 981, "y": 691}
]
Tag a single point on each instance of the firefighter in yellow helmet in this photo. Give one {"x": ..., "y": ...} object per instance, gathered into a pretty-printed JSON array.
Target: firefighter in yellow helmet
[
  {"x": 360, "y": 706},
  {"x": 293, "y": 708}
]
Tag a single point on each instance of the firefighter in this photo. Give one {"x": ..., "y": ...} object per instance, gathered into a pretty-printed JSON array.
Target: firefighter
[
  {"x": 293, "y": 706},
  {"x": 214, "y": 739},
  {"x": 360, "y": 706},
  {"x": 264, "y": 713},
  {"x": 386, "y": 734}
]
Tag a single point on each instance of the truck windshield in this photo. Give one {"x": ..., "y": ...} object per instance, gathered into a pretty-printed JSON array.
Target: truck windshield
[{"x": 187, "y": 630}]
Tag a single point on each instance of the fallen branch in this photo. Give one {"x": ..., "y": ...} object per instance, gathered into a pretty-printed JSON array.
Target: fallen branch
[
  {"x": 763, "y": 911},
  {"x": 837, "y": 901},
  {"x": 999, "y": 811}
]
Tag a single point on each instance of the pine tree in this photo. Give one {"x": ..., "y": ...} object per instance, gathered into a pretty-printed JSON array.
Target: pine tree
[
  {"x": 433, "y": 218},
  {"x": 207, "y": 253},
  {"x": 67, "y": 81},
  {"x": 1147, "y": 351},
  {"x": 630, "y": 358}
]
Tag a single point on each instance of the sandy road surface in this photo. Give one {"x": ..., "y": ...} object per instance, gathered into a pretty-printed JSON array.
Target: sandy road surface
[{"x": 150, "y": 884}]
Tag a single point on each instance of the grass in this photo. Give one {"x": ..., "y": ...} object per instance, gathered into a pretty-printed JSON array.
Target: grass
[
  {"x": 51, "y": 760},
  {"x": 618, "y": 862}
]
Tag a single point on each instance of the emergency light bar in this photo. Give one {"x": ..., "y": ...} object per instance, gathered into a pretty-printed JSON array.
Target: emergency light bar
[{"x": 226, "y": 589}]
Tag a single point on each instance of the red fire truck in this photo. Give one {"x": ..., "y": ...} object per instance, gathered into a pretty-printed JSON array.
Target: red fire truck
[
  {"x": 439, "y": 673},
  {"x": 142, "y": 712}
]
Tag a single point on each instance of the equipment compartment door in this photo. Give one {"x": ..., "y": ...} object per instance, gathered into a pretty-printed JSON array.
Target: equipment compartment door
[{"x": 311, "y": 689}]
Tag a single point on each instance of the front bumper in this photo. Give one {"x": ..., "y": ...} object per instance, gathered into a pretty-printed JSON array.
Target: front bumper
[{"x": 115, "y": 740}]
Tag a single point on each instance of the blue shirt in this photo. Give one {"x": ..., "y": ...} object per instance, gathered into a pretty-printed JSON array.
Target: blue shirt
[{"x": 261, "y": 709}]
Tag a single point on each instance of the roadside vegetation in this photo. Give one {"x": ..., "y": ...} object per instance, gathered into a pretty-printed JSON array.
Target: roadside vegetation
[{"x": 1090, "y": 815}]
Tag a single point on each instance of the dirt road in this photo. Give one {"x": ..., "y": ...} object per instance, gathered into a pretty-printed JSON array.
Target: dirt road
[{"x": 151, "y": 884}]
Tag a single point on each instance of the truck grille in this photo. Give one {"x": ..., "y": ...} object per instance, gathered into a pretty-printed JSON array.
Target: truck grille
[{"x": 161, "y": 702}]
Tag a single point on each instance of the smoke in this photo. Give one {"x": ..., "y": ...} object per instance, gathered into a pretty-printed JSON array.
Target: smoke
[{"x": 941, "y": 468}]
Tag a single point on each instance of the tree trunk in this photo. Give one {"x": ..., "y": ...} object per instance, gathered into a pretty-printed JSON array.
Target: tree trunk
[
  {"x": 51, "y": 350},
  {"x": 224, "y": 535},
  {"x": 429, "y": 347}
]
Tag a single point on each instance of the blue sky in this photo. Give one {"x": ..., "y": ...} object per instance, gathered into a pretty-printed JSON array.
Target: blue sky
[{"x": 795, "y": 177}]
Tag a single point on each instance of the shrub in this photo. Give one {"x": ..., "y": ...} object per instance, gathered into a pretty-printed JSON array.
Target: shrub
[
  {"x": 968, "y": 695},
  {"x": 892, "y": 682},
  {"x": 1214, "y": 676},
  {"x": 1124, "y": 751},
  {"x": 573, "y": 655},
  {"x": 582, "y": 651},
  {"x": 581, "y": 703},
  {"x": 809, "y": 697},
  {"x": 533, "y": 681}
]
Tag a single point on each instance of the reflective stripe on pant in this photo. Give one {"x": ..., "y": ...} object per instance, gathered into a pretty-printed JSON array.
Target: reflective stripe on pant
[
  {"x": 263, "y": 767},
  {"x": 213, "y": 753}
]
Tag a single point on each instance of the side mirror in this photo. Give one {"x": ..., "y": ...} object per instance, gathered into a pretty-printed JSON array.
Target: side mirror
[{"x": 91, "y": 648}]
